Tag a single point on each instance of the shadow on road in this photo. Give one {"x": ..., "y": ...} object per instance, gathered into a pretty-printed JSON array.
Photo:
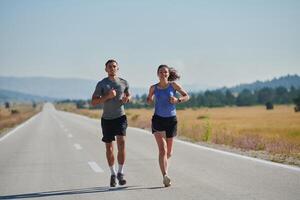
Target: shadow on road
[{"x": 75, "y": 191}]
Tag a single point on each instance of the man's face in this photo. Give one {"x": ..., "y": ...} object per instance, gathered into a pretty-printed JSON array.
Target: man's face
[{"x": 112, "y": 68}]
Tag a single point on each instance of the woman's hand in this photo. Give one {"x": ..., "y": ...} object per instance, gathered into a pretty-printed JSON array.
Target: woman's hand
[{"x": 173, "y": 100}]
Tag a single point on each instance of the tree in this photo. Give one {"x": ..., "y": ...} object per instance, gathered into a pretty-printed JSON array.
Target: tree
[
  {"x": 265, "y": 95},
  {"x": 292, "y": 93},
  {"x": 144, "y": 98},
  {"x": 33, "y": 104},
  {"x": 245, "y": 98},
  {"x": 80, "y": 104},
  {"x": 281, "y": 95},
  {"x": 7, "y": 105},
  {"x": 229, "y": 98}
]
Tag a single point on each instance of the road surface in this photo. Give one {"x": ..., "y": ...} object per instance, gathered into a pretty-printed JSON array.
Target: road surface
[{"x": 59, "y": 155}]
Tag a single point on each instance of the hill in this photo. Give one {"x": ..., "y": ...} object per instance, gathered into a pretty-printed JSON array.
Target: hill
[
  {"x": 286, "y": 81},
  {"x": 11, "y": 96}
]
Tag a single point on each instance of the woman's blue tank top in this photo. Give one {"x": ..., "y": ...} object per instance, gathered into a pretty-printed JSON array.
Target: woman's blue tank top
[{"x": 163, "y": 107}]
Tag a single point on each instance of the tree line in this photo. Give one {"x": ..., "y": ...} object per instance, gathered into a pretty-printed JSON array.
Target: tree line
[
  {"x": 221, "y": 97},
  {"x": 218, "y": 98}
]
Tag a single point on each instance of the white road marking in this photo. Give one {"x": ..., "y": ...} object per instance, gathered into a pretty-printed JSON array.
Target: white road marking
[
  {"x": 95, "y": 167},
  {"x": 77, "y": 146},
  {"x": 228, "y": 153},
  {"x": 70, "y": 135}
]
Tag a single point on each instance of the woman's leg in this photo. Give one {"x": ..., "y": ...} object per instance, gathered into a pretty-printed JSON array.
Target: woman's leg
[
  {"x": 162, "y": 147},
  {"x": 169, "y": 147}
]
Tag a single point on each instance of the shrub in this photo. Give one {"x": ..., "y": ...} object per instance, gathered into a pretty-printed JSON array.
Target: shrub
[
  {"x": 13, "y": 111},
  {"x": 269, "y": 106}
]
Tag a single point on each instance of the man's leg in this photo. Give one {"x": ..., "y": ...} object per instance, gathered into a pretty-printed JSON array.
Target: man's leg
[
  {"x": 121, "y": 158},
  {"x": 110, "y": 154},
  {"x": 111, "y": 161},
  {"x": 121, "y": 149}
]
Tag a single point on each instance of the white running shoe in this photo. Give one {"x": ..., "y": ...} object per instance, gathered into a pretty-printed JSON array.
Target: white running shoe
[{"x": 166, "y": 181}]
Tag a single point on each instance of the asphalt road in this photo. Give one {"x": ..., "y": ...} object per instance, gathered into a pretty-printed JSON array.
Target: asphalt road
[{"x": 59, "y": 155}]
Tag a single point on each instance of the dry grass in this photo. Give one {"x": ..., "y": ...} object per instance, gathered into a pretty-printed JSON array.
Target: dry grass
[
  {"x": 16, "y": 115},
  {"x": 250, "y": 128},
  {"x": 70, "y": 107},
  {"x": 276, "y": 132}
]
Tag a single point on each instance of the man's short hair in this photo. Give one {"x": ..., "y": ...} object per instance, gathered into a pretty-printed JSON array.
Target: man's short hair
[{"x": 110, "y": 61}]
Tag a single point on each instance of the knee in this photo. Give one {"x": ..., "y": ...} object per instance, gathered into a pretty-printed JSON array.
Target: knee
[
  {"x": 169, "y": 154},
  {"x": 121, "y": 145},
  {"x": 109, "y": 150},
  {"x": 162, "y": 152}
]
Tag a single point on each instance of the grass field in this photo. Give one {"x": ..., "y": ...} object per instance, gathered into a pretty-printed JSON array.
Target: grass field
[
  {"x": 275, "y": 132},
  {"x": 15, "y": 115}
]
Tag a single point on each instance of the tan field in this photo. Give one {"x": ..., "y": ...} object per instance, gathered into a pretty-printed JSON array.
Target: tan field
[
  {"x": 15, "y": 115},
  {"x": 276, "y": 132}
]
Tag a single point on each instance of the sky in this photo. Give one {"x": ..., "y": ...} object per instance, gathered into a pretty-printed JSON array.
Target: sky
[{"x": 212, "y": 43}]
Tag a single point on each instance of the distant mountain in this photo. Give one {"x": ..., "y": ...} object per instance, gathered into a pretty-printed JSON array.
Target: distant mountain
[
  {"x": 59, "y": 88},
  {"x": 11, "y": 96},
  {"x": 285, "y": 81},
  {"x": 197, "y": 88},
  {"x": 73, "y": 88}
]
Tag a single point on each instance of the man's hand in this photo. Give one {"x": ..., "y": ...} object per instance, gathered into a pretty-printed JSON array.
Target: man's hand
[
  {"x": 111, "y": 94},
  {"x": 125, "y": 99}
]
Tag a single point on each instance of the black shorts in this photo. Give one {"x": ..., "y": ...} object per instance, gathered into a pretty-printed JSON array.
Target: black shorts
[
  {"x": 113, "y": 127},
  {"x": 167, "y": 124}
]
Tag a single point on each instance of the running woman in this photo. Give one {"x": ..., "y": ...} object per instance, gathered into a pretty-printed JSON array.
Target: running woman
[
  {"x": 113, "y": 93},
  {"x": 164, "y": 120}
]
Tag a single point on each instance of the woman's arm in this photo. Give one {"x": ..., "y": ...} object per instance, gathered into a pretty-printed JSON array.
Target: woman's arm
[
  {"x": 150, "y": 95},
  {"x": 184, "y": 95}
]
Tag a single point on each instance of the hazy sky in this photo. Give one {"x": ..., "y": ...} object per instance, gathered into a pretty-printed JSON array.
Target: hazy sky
[{"x": 211, "y": 43}]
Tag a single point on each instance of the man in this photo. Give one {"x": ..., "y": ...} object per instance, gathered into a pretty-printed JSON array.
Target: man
[{"x": 113, "y": 93}]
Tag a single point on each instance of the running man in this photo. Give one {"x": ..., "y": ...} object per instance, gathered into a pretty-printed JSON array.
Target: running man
[{"x": 113, "y": 93}]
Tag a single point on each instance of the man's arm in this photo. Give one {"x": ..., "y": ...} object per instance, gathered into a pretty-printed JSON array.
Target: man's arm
[
  {"x": 127, "y": 96},
  {"x": 96, "y": 99}
]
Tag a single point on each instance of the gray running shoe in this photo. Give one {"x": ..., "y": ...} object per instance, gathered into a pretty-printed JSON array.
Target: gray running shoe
[
  {"x": 113, "y": 182},
  {"x": 121, "y": 179}
]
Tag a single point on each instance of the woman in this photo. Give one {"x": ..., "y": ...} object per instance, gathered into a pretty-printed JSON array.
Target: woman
[{"x": 164, "y": 121}]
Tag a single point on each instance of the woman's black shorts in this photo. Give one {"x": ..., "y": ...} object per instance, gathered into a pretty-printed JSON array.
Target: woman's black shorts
[
  {"x": 167, "y": 124},
  {"x": 113, "y": 127}
]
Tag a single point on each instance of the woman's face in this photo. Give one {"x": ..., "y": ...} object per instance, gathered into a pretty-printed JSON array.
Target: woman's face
[{"x": 163, "y": 73}]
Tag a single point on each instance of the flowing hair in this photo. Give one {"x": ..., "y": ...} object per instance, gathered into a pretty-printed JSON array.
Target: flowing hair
[{"x": 173, "y": 73}]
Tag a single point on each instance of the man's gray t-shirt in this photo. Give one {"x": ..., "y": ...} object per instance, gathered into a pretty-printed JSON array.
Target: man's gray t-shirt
[{"x": 112, "y": 108}]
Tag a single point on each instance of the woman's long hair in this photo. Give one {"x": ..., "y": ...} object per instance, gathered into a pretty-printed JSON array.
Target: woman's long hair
[{"x": 173, "y": 74}]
